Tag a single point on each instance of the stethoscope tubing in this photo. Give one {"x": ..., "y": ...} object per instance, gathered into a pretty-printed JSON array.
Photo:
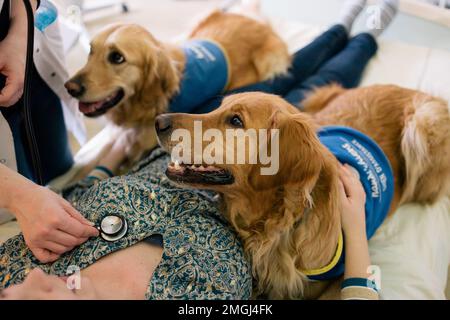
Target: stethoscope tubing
[{"x": 29, "y": 128}]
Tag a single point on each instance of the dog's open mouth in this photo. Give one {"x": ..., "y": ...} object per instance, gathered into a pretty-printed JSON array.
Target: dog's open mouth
[
  {"x": 99, "y": 108},
  {"x": 198, "y": 174}
]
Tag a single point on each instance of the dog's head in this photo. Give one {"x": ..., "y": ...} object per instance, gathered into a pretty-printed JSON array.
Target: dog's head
[
  {"x": 128, "y": 76},
  {"x": 269, "y": 129},
  {"x": 286, "y": 216}
]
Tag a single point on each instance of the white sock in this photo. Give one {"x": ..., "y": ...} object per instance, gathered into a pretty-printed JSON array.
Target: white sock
[
  {"x": 350, "y": 11},
  {"x": 382, "y": 18}
]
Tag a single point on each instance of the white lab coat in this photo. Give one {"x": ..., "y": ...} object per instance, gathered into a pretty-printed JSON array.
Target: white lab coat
[{"x": 50, "y": 63}]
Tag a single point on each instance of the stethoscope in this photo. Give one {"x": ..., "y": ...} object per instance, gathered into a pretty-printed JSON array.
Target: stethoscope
[
  {"x": 26, "y": 110},
  {"x": 113, "y": 228}
]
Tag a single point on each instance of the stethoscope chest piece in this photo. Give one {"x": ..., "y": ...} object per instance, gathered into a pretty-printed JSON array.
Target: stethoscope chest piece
[{"x": 113, "y": 228}]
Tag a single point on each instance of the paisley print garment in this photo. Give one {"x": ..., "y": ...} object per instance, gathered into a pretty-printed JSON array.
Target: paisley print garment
[{"x": 203, "y": 258}]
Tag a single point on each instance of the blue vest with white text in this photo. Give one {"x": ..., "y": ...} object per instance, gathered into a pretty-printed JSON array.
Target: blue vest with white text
[
  {"x": 359, "y": 151},
  {"x": 206, "y": 75}
]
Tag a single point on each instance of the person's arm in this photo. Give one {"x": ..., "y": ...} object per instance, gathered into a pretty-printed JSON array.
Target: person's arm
[
  {"x": 50, "y": 225},
  {"x": 13, "y": 51},
  {"x": 357, "y": 260}
]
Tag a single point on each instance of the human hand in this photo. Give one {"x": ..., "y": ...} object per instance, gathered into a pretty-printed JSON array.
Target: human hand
[
  {"x": 50, "y": 225},
  {"x": 40, "y": 286},
  {"x": 12, "y": 66},
  {"x": 353, "y": 201}
]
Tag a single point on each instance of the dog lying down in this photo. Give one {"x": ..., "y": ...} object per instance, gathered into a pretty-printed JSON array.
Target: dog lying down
[
  {"x": 131, "y": 77},
  {"x": 397, "y": 140}
]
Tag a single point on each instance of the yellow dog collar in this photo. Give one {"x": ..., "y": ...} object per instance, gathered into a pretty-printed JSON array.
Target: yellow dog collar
[{"x": 318, "y": 274}]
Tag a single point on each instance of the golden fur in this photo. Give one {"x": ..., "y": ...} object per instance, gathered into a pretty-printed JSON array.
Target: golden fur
[
  {"x": 291, "y": 221},
  {"x": 151, "y": 75}
]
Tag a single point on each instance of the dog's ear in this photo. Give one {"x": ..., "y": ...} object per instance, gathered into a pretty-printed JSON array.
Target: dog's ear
[
  {"x": 300, "y": 154},
  {"x": 167, "y": 73},
  {"x": 161, "y": 79}
]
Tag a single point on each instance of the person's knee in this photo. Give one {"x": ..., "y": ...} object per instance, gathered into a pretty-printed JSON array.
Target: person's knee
[{"x": 364, "y": 41}]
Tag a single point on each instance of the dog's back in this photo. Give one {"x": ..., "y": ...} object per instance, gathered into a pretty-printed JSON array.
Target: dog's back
[
  {"x": 255, "y": 51},
  {"x": 411, "y": 127}
]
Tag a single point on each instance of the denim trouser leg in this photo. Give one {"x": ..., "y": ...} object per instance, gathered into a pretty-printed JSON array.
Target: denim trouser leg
[
  {"x": 305, "y": 63},
  {"x": 345, "y": 69}
]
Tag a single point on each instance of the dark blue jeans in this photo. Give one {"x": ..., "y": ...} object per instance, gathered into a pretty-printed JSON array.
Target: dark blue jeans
[
  {"x": 50, "y": 130},
  {"x": 330, "y": 58}
]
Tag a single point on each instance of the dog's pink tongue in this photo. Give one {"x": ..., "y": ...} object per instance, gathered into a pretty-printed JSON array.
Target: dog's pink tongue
[{"x": 89, "y": 107}]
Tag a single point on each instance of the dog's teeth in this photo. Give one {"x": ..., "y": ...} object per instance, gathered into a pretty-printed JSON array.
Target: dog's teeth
[
  {"x": 193, "y": 167},
  {"x": 177, "y": 165}
]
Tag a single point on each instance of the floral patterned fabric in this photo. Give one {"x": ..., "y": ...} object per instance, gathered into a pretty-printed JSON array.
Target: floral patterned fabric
[{"x": 202, "y": 259}]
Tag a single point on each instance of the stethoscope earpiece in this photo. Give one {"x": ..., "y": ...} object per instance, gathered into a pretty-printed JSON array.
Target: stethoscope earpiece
[{"x": 113, "y": 228}]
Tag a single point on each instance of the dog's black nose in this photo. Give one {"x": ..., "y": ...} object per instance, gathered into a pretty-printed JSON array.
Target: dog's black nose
[
  {"x": 75, "y": 88},
  {"x": 163, "y": 123}
]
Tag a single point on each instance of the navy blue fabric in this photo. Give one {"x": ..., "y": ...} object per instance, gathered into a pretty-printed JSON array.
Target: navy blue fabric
[
  {"x": 155, "y": 240},
  {"x": 50, "y": 131},
  {"x": 4, "y": 27},
  {"x": 359, "y": 282},
  {"x": 205, "y": 75},
  {"x": 330, "y": 58},
  {"x": 345, "y": 69},
  {"x": 362, "y": 153},
  {"x": 4, "y": 20}
]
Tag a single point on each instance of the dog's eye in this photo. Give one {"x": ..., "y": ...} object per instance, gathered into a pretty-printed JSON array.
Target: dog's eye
[
  {"x": 236, "y": 122},
  {"x": 116, "y": 58}
]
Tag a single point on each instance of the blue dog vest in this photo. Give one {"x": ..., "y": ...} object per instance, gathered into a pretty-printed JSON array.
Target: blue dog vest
[
  {"x": 362, "y": 153},
  {"x": 206, "y": 75}
]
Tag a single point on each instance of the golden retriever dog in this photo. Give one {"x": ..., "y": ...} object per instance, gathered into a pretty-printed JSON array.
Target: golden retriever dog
[
  {"x": 131, "y": 77},
  {"x": 290, "y": 221}
]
